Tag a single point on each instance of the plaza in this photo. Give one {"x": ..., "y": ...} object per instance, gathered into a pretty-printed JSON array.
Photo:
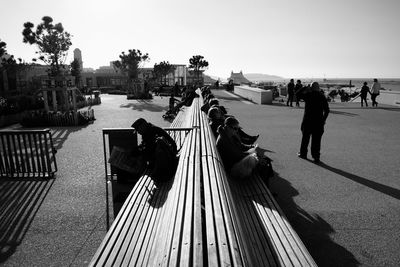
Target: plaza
[{"x": 346, "y": 210}]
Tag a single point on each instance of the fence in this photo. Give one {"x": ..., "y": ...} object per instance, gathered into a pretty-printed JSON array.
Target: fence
[{"x": 27, "y": 154}]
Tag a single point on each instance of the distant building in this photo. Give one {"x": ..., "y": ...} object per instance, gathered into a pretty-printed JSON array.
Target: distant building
[
  {"x": 238, "y": 78},
  {"x": 78, "y": 57}
]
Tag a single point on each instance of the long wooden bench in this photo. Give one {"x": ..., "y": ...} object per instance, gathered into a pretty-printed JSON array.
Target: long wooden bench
[
  {"x": 263, "y": 234},
  {"x": 201, "y": 217},
  {"x": 152, "y": 212}
]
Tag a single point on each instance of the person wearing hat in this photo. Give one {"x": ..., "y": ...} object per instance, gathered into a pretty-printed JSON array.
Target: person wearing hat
[{"x": 158, "y": 148}]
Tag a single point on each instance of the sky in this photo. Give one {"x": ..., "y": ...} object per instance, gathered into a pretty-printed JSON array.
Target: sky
[{"x": 292, "y": 39}]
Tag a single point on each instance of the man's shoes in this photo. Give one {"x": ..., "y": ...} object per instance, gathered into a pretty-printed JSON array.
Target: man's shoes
[
  {"x": 317, "y": 161},
  {"x": 302, "y": 156}
]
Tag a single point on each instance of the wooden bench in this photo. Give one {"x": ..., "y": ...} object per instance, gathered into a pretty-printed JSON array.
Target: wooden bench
[
  {"x": 200, "y": 217},
  {"x": 151, "y": 213},
  {"x": 27, "y": 154},
  {"x": 255, "y": 221}
]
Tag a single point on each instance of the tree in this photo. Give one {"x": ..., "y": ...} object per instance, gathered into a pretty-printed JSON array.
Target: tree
[
  {"x": 76, "y": 71},
  {"x": 162, "y": 69},
  {"x": 197, "y": 63},
  {"x": 130, "y": 64},
  {"x": 52, "y": 41}
]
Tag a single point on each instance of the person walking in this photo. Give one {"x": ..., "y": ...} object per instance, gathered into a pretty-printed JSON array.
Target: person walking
[
  {"x": 290, "y": 93},
  {"x": 297, "y": 89},
  {"x": 316, "y": 112},
  {"x": 375, "y": 91},
  {"x": 363, "y": 94}
]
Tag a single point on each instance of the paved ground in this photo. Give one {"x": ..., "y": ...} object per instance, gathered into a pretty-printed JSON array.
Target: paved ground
[{"x": 347, "y": 211}]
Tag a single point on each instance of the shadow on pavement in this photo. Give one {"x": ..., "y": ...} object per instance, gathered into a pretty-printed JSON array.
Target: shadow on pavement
[
  {"x": 20, "y": 201},
  {"x": 343, "y": 113},
  {"x": 387, "y": 190},
  {"x": 60, "y": 134},
  {"x": 313, "y": 230},
  {"x": 145, "y": 106}
]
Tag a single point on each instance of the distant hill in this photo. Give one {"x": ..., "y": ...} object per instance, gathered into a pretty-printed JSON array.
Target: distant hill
[
  {"x": 260, "y": 77},
  {"x": 208, "y": 79}
]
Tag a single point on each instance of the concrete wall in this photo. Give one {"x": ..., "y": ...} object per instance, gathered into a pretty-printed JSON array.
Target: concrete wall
[
  {"x": 257, "y": 95},
  {"x": 389, "y": 98}
]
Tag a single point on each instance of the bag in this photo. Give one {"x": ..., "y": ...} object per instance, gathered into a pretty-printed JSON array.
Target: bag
[
  {"x": 265, "y": 167},
  {"x": 128, "y": 161}
]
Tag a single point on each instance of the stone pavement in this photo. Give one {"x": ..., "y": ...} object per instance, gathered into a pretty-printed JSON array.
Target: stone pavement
[{"x": 346, "y": 211}]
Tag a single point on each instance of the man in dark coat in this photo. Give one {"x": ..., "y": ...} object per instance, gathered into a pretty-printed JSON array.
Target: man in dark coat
[
  {"x": 290, "y": 93},
  {"x": 316, "y": 111},
  {"x": 158, "y": 148}
]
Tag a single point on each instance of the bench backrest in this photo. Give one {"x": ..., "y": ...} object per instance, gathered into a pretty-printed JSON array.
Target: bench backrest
[{"x": 27, "y": 154}]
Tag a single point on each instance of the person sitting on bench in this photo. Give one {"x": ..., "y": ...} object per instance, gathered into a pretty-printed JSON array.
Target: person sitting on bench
[
  {"x": 240, "y": 160},
  {"x": 158, "y": 148},
  {"x": 217, "y": 115}
]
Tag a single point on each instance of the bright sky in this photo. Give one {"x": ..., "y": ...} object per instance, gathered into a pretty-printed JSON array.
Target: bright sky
[{"x": 293, "y": 39}]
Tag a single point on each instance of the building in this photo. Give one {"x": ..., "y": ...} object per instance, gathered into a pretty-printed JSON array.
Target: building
[
  {"x": 78, "y": 57},
  {"x": 238, "y": 78}
]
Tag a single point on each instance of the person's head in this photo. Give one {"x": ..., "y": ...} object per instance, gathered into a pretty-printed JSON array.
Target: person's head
[
  {"x": 140, "y": 125},
  {"x": 365, "y": 83},
  {"x": 315, "y": 87},
  {"x": 232, "y": 125},
  {"x": 214, "y": 113},
  {"x": 213, "y": 102},
  {"x": 291, "y": 80},
  {"x": 298, "y": 81},
  {"x": 375, "y": 80}
]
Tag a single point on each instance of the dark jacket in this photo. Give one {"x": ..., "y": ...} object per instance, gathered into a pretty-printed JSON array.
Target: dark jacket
[
  {"x": 231, "y": 149},
  {"x": 148, "y": 144},
  {"x": 316, "y": 110},
  {"x": 290, "y": 88},
  {"x": 364, "y": 91}
]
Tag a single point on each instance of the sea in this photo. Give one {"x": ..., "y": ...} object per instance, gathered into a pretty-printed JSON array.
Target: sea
[{"x": 386, "y": 84}]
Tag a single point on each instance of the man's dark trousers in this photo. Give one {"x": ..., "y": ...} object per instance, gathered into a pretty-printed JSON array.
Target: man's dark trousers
[{"x": 316, "y": 135}]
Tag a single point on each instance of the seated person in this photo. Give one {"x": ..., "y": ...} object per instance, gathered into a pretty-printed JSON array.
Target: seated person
[
  {"x": 217, "y": 116},
  {"x": 240, "y": 160},
  {"x": 158, "y": 148},
  {"x": 206, "y": 106}
]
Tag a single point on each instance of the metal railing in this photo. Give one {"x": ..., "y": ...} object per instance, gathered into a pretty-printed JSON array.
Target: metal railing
[
  {"x": 127, "y": 138},
  {"x": 27, "y": 154}
]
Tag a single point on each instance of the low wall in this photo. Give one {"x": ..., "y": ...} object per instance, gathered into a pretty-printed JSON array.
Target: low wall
[
  {"x": 257, "y": 95},
  {"x": 389, "y": 98}
]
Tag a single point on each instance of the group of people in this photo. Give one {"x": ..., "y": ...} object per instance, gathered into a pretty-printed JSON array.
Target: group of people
[
  {"x": 374, "y": 92},
  {"x": 240, "y": 154},
  {"x": 188, "y": 94},
  {"x": 292, "y": 92}
]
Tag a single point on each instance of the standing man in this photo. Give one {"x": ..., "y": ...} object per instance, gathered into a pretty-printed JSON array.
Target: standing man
[
  {"x": 297, "y": 89},
  {"x": 290, "y": 92},
  {"x": 375, "y": 89},
  {"x": 363, "y": 94},
  {"x": 316, "y": 111}
]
